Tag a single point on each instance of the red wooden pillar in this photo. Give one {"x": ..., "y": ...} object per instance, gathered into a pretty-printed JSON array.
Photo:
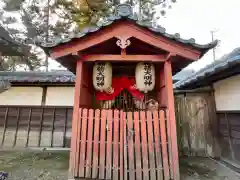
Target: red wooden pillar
[
  {"x": 73, "y": 164},
  {"x": 172, "y": 121}
]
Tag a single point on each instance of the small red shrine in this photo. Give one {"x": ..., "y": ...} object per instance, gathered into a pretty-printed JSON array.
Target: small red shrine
[{"x": 123, "y": 123}]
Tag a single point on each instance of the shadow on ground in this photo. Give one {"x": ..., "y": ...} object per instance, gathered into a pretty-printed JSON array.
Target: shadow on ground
[{"x": 54, "y": 165}]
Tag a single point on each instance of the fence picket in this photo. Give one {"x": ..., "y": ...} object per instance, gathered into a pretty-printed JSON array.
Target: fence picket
[
  {"x": 83, "y": 142},
  {"x": 95, "y": 145},
  {"x": 109, "y": 144},
  {"x": 89, "y": 144},
  {"x": 137, "y": 147},
  {"x": 125, "y": 146},
  {"x": 169, "y": 145},
  {"x": 150, "y": 146},
  {"x": 102, "y": 144},
  {"x": 121, "y": 146},
  {"x": 157, "y": 146},
  {"x": 164, "y": 145},
  {"x": 76, "y": 149},
  {"x": 144, "y": 145},
  {"x": 116, "y": 146},
  {"x": 130, "y": 145}
]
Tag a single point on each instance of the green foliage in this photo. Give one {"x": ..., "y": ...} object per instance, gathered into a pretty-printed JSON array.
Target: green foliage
[
  {"x": 58, "y": 17},
  {"x": 42, "y": 19},
  {"x": 30, "y": 55},
  {"x": 30, "y": 61}
]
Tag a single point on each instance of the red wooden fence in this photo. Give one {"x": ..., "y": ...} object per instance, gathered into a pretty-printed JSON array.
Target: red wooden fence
[{"x": 122, "y": 145}]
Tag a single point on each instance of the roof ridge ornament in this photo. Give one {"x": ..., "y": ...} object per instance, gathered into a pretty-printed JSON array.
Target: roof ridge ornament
[
  {"x": 123, "y": 43},
  {"x": 124, "y": 10}
]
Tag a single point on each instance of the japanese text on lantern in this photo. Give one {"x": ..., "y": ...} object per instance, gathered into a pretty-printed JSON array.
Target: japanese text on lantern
[
  {"x": 100, "y": 74},
  {"x": 147, "y": 74}
]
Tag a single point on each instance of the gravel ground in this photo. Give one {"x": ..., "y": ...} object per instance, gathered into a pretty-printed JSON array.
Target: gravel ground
[
  {"x": 54, "y": 165},
  {"x": 35, "y": 165}
]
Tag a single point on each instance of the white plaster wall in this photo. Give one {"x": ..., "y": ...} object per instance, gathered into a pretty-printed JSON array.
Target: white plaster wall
[
  {"x": 21, "y": 96},
  {"x": 227, "y": 94},
  {"x": 60, "y": 96}
]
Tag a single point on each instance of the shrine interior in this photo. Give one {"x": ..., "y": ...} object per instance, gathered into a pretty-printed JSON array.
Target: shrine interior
[{"x": 125, "y": 100}]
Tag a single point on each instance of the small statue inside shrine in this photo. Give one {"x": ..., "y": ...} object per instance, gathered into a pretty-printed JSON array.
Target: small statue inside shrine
[{"x": 152, "y": 105}]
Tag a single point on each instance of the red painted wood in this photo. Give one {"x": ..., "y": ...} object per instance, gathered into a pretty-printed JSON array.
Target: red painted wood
[
  {"x": 109, "y": 144},
  {"x": 124, "y": 30},
  {"x": 95, "y": 144},
  {"x": 86, "y": 87},
  {"x": 151, "y": 146},
  {"x": 125, "y": 146},
  {"x": 144, "y": 146},
  {"x": 129, "y": 150},
  {"x": 162, "y": 88},
  {"x": 169, "y": 145},
  {"x": 172, "y": 120},
  {"x": 137, "y": 146},
  {"x": 132, "y": 58},
  {"x": 83, "y": 143},
  {"x": 157, "y": 146},
  {"x": 77, "y": 152},
  {"x": 116, "y": 145},
  {"x": 121, "y": 146},
  {"x": 102, "y": 144},
  {"x": 89, "y": 144},
  {"x": 164, "y": 145},
  {"x": 130, "y": 145},
  {"x": 73, "y": 164}
]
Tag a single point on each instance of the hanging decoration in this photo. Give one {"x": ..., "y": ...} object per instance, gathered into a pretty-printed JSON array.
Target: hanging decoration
[
  {"x": 102, "y": 76},
  {"x": 118, "y": 85},
  {"x": 145, "y": 77}
]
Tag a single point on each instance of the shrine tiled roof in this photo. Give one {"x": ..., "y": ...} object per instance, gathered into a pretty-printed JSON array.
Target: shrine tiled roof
[
  {"x": 217, "y": 70},
  {"x": 37, "y": 77},
  {"x": 158, "y": 30}
]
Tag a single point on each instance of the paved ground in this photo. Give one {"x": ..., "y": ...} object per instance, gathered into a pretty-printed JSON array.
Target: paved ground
[
  {"x": 205, "y": 169},
  {"x": 54, "y": 165}
]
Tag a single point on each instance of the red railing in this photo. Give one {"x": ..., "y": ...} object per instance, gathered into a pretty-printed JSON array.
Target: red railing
[{"x": 121, "y": 145}]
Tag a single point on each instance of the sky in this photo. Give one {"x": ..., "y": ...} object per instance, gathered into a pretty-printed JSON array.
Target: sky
[{"x": 197, "y": 18}]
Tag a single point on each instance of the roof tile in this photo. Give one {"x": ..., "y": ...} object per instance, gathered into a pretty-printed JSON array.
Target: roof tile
[{"x": 223, "y": 63}]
